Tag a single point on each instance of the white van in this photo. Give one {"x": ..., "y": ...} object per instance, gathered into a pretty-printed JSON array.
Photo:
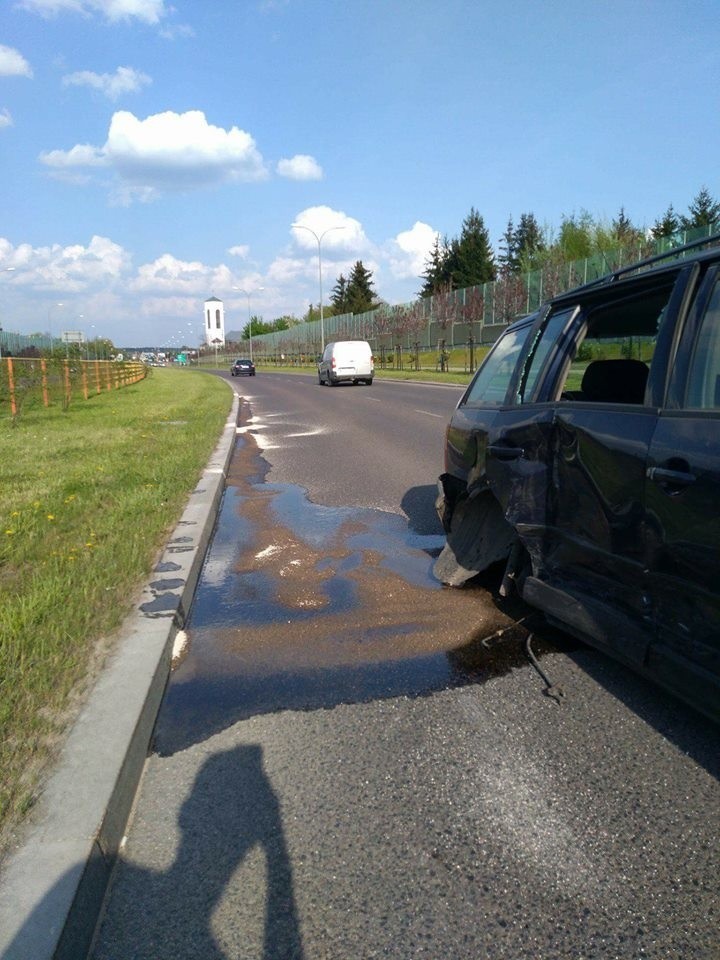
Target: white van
[{"x": 346, "y": 360}]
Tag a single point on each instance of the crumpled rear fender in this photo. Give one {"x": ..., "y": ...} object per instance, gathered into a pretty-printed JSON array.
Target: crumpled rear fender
[{"x": 478, "y": 536}]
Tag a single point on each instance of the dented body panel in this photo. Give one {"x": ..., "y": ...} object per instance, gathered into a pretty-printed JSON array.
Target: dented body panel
[{"x": 591, "y": 437}]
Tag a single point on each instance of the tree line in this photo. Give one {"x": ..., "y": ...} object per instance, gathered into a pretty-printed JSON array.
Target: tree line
[{"x": 469, "y": 259}]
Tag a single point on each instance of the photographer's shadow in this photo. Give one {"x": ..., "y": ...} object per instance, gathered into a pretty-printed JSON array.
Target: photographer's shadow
[{"x": 231, "y": 810}]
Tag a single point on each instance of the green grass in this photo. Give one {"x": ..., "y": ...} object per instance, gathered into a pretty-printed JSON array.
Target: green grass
[{"x": 87, "y": 498}]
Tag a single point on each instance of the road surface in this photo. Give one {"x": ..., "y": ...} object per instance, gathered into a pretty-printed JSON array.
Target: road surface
[{"x": 354, "y": 762}]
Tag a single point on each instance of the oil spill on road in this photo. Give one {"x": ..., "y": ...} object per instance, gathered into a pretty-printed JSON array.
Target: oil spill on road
[{"x": 303, "y": 606}]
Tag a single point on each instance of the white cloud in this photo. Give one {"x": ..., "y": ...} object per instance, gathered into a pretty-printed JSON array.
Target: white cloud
[
  {"x": 148, "y": 11},
  {"x": 176, "y": 277},
  {"x": 181, "y": 30},
  {"x": 81, "y": 155},
  {"x": 300, "y": 167},
  {"x": 242, "y": 251},
  {"x": 167, "y": 151},
  {"x": 71, "y": 268},
  {"x": 5, "y": 119},
  {"x": 335, "y": 229},
  {"x": 112, "y": 85},
  {"x": 410, "y": 249},
  {"x": 286, "y": 270},
  {"x": 13, "y": 63}
]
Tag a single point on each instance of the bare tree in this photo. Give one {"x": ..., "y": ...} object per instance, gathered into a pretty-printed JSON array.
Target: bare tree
[{"x": 444, "y": 308}]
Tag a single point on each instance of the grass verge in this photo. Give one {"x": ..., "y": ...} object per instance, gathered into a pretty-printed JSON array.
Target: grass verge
[{"x": 87, "y": 498}]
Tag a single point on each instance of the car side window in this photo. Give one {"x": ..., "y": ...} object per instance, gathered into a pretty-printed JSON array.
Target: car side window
[
  {"x": 545, "y": 341},
  {"x": 615, "y": 345},
  {"x": 703, "y": 389},
  {"x": 492, "y": 380}
]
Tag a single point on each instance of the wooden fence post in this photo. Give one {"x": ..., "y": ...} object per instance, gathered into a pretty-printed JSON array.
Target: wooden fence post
[
  {"x": 43, "y": 377},
  {"x": 66, "y": 377},
  {"x": 11, "y": 386}
]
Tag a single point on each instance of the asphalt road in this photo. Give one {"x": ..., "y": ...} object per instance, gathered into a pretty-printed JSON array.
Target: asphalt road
[
  {"x": 353, "y": 446},
  {"x": 353, "y": 762}
]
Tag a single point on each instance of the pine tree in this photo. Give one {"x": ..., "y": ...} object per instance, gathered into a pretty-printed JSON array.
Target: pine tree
[
  {"x": 360, "y": 296},
  {"x": 528, "y": 241},
  {"x": 338, "y": 298},
  {"x": 508, "y": 262},
  {"x": 472, "y": 261},
  {"x": 703, "y": 211},
  {"x": 666, "y": 226},
  {"x": 622, "y": 228},
  {"x": 436, "y": 271}
]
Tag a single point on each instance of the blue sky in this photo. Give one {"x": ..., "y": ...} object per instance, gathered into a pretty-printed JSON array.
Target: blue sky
[{"x": 154, "y": 153}]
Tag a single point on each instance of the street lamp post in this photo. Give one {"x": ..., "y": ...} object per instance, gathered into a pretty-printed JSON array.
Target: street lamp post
[
  {"x": 50, "y": 324},
  {"x": 301, "y": 226},
  {"x": 240, "y": 290}
]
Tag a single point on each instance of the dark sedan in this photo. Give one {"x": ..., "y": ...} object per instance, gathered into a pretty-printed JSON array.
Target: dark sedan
[{"x": 243, "y": 368}]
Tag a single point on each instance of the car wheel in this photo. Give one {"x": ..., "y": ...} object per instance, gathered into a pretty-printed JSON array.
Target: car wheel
[{"x": 369, "y": 381}]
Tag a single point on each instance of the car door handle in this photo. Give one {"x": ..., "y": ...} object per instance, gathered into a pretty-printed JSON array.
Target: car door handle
[
  {"x": 500, "y": 452},
  {"x": 670, "y": 478}
]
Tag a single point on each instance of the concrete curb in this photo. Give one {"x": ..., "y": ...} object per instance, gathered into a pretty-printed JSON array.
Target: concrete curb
[{"x": 52, "y": 888}]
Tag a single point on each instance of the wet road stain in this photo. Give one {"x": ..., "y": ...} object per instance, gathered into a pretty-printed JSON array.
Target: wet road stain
[{"x": 303, "y": 606}]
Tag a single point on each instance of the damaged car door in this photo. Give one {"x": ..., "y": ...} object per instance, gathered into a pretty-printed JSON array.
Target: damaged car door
[
  {"x": 570, "y": 472},
  {"x": 477, "y": 534}
]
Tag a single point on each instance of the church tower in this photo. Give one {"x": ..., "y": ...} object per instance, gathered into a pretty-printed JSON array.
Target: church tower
[{"x": 214, "y": 322}]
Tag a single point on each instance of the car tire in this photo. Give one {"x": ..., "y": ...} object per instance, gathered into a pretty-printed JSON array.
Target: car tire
[{"x": 369, "y": 381}]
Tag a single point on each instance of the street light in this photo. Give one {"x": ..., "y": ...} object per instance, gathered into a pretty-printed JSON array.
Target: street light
[
  {"x": 257, "y": 290},
  {"x": 50, "y": 324},
  {"x": 301, "y": 226}
]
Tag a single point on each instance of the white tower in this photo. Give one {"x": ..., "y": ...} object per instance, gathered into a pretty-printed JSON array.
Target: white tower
[{"x": 214, "y": 322}]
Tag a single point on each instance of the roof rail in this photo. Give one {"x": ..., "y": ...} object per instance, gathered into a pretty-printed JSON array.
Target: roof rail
[{"x": 649, "y": 261}]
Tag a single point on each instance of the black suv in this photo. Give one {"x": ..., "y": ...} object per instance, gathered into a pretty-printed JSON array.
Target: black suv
[{"x": 585, "y": 456}]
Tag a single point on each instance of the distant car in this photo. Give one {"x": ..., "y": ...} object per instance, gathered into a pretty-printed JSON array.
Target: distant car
[
  {"x": 585, "y": 456},
  {"x": 243, "y": 368}
]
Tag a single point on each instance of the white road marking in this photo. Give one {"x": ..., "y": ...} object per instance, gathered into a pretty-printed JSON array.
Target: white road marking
[
  {"x": 308, "y": 433},
  {"x": 428, "y": 414}
]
